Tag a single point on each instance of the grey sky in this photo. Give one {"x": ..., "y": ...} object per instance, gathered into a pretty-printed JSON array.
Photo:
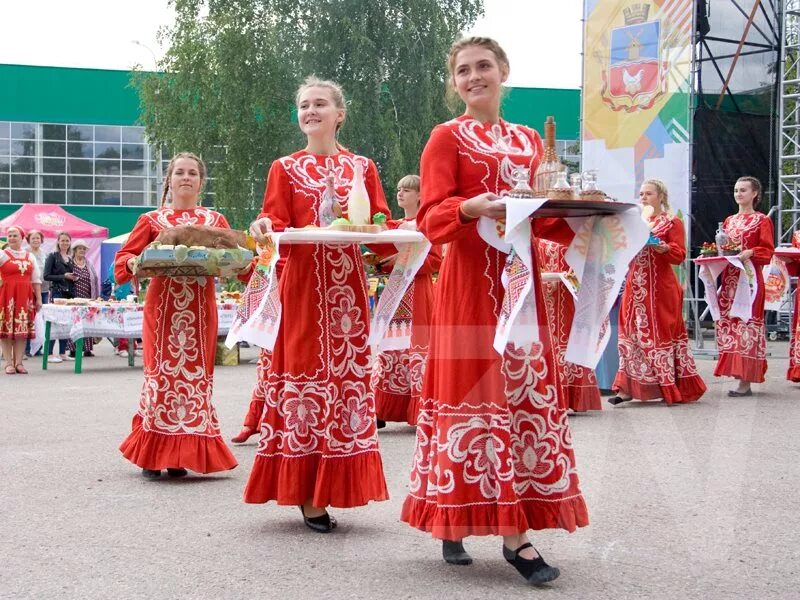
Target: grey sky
[{"x": 541, "y": 37}]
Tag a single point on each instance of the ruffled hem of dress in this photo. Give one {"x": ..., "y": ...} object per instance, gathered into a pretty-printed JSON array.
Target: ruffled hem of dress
[
  {"x": 254, "y": 413},
  {"x": 341, "y": 482},
  {"x": 793, "y": 374},
  {"x": 583, "y": 398},
  {"x": 395, "y": 408},
  {"x": 457, "y": 522},
  {"x": 688, "y": 389},
  {"x": 735, "y": 365},
  {"x": 157, "y": 451}
]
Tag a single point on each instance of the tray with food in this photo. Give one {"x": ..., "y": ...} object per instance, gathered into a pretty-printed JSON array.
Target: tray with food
[
  {"x": 164, "y": 260},
  {"x": 788, "y": 253},
  {"x": 580, "y": 208}
]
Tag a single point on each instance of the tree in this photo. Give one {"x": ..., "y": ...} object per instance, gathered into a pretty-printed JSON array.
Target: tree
[{"x": 233, "y": 66}]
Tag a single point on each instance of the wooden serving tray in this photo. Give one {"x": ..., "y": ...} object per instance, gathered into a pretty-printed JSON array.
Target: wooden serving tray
[
  {"x": 198, "y": 262},
  {"x": 320, "y": 235},
  {"x": 580, "y": 208}
]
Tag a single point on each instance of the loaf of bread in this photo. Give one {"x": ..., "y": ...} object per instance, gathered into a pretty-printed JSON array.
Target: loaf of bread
[{"x": 202, "y": 235}]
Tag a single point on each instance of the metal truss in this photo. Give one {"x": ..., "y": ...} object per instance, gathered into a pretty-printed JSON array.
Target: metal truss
[{"x": 789, "y": 119}]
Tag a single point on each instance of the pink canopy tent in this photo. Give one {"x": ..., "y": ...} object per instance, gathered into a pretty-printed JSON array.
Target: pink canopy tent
[{"x": 50, "y": 220}]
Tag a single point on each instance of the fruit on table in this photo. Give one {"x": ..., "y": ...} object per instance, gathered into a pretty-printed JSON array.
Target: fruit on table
[
  {"x": 379, "y": 219},
  {"x": 341, "y": 221}
]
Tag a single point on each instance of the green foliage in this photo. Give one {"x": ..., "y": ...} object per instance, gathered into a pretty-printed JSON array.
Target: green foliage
[{"x": 233, "y": 66}]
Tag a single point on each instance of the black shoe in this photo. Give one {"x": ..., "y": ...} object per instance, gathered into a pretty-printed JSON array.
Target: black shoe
[
  {"x": 321, "y": 524},
  {"x": 381, "y": 424},
  {"x": 535, "y": 571},
  {"x": 90, "y": 354},
  {"x": 150, "y": 474},
  {"x": 617, "y": 400},
  {"x": 177, "y": 472},
  {"x": 72, "y": 354},
  {"x": 454, "y": 553},
  {"x": 736, "y": 394}
]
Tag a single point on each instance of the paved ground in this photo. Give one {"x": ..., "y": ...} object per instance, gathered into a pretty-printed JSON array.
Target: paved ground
[{"x": 696, "y": 501}]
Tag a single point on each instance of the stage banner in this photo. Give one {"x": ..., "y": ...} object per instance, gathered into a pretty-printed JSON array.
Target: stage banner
[{"x": 636, "y": 96}]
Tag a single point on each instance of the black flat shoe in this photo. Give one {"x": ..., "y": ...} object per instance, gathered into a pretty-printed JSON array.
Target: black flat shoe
[
  {"x": 535, "y": 571},
  {"x": 321, "y": 524},
  {"x": 177, "y": 472},
  {"x": 150, "y": 474},
  {"x": 380, "y": 424},
  {"x": 454, "y": 553},
  {"x": 735, "y": 394},
  {"x": 617, "y": 400}
]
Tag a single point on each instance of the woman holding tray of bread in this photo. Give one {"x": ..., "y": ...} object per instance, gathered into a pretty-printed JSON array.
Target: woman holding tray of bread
[
  {"x": 654, "y": 356},
  {"x": 742, "y": 344},
  {"x": 493, "y": 453},
  {"x": 319, "y": 443},
  {"x": 176, "y": 426}
]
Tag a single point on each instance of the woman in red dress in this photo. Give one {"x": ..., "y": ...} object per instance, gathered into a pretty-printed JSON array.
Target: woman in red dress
[
  {"x": 493, "y": 453},
  {"x": 654, "y": 356},
  {"x": 20, "y": 299},
  {"x": 176, "y": 426},
  {"x": 793, "y": 374},
  {"x": 252, "y": 420},
  {"x": 319, "y": 443},
  {"x": 397, "y": 374},
  {"x": 579, "y": 384},
  {"x": 743, "y": 345}
]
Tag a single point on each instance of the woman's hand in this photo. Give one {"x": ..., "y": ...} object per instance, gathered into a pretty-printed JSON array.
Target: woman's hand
[
  {"x": 260, "y": 228},
  {"x": 131, "y": 264},
  {"x": 661, "y": 248},
  {"x": 70, "y": 276},
  {"x": 745, "y": 255},
  {"x": 38, "y": 304},
  {"x": 484, "y": 205}
]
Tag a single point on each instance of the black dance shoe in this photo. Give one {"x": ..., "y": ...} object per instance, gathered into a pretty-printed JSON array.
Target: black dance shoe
[
  {"x": 617, "y": 400},
  {"x": 321, "y": 524},
  {"x": 738, "y": 394},
  {"x": 454, "y": 553},
  {"x": 150, "y": 474},
  {"x": 535, "y": 571},
  {"x": 177, "y": 472},
  {"x": 380, "y": 424}
]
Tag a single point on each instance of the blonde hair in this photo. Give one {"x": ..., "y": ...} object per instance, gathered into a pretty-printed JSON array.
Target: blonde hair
[
  {"x": 663, "y": 192},
  {"x": 334, "y": 88},
  {"x": 461, "y": 44},
  {"x": 409, "y": 182},
  {"x": 755, "y": 184},
  {"x": 201, "y": 167}
]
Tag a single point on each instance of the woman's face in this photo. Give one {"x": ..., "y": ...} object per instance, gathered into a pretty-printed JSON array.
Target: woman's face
[
  {"x": 317, "y": 113},
  {"x": 185, "y": 181},
  {"x": 648, "y": 196},
  {"x": 64, "y": 242},
  {"x": 478, "y": 76},
  {"x": 407, "y": 198},
  {"x": 14, "y": 239},
  {"x": 744, "y": 194},
  {"x": 35, "y": 241},
  {"x": 79, "y": 252}
]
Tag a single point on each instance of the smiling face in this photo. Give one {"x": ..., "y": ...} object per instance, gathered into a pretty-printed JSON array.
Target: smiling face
[
  {"x": 478, "y": 77},
  {"x": 185, "y": 181},
  {"x": 35, "y": 240},
  {"x": 649, "y": 196},
  {"x": 14, "y": 239},
  {"x": 744, "y": 194},
  {"x": 317, "y": 112},
  {"x": 64, "y": 242}
]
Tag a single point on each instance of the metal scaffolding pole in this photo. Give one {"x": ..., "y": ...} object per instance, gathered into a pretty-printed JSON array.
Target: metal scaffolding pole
[{"x": 789, "y": 119}]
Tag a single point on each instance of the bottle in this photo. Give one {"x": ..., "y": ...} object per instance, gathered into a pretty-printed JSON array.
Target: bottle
[
  {"x": 358, "y": 199},
  {"x": 326, "y": 214},
  {"x": 547, "y": 173},
  {"x": 721, "y": 239}
]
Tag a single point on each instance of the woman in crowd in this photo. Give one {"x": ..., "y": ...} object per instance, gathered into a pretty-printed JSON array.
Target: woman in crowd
[
  {"x": 35, "y": 238},
  {"x": 493, "y": 452},
  {"x": 793, "y": 374},
  {"x": 397, "y": 374},
  {"x": 85, "y": 285},
  {"x": 319, "y": 443},
  {"x": 742, "y": 344},
  {"x": 20, "y": 298},
  {"x": 579, "y": 384},
  {"x": 176, "y": 426},
  {"x": 655, "y": 360},
  {"x": 58, "y": 271}
]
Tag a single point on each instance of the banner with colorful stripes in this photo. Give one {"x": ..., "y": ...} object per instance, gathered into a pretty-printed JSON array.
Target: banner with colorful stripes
[{"x": 636, "y": 95}]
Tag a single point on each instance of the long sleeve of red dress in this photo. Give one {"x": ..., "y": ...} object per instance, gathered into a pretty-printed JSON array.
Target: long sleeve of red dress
[{"x": 137, "y": 241}]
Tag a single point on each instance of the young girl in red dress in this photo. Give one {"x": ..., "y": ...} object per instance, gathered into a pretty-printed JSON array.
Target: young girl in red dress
[
  {"x": 494, "y": 452},
  {"x": 743, "y": 345},
  {"x": 176, "y": 426},
  {"x": 397, "y": 374},
  {"x": 654, "y": 356},
  {"x": 319, "y": 443},
  {"x": 20, "y": 299}
]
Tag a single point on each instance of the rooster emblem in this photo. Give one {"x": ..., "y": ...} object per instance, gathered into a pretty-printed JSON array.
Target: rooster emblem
[{"x": 633, "y": 83}]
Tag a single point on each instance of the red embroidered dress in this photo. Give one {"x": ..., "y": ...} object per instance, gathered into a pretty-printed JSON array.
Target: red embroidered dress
[
  {"x": 793, "y": 374},
  {"x": 493, "y": 452},
  {"x": 18, "y": 271},
  {"x": 579, "y": 384},
  {"x": 654, "y": 356},
  {"x": 743, "y": 346},
  {"x": 397, "y": 374},
  {"x": 254, "y": 413},
  {"x": 318, "y": 433},
  {"x": 176, "y": 424}
]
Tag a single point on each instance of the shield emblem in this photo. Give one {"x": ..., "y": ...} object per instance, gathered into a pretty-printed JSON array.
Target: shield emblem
[{"x": 635, "y": 76}]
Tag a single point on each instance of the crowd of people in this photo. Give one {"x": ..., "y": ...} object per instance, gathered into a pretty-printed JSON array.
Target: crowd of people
[{"x": 493, "y": 452}]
